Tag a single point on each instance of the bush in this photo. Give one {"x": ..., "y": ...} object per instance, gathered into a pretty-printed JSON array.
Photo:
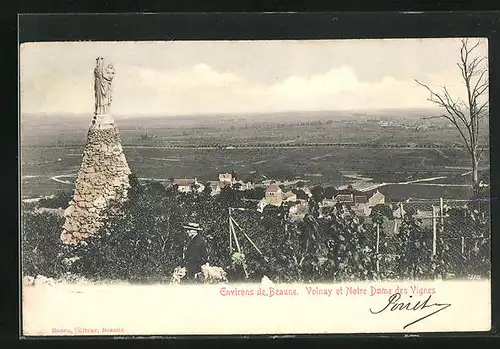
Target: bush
[
  {"x": 145, "y": 242},
  {"x": 41, "y": 249},
  {"x": 350, "y": 248},
  {"x": 415, "y": 250}
]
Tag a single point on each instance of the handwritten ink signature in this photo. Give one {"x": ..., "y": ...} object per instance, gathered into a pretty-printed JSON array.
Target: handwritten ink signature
[{"x": 393, "y": 305}]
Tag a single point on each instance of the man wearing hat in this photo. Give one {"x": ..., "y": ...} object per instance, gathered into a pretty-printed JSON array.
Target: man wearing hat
[{"x": 195, "y": 252}]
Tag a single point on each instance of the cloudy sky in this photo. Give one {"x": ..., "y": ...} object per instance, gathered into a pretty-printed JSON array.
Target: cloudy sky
[{"x": 188, "y": 77}]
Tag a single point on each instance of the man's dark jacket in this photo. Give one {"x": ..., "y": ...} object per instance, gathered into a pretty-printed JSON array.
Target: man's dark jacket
[{"x": 195, "y": 255}]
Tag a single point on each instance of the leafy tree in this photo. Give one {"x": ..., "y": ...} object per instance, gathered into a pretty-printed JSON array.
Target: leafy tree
[
  {"x": 317, "y": 193},
  {"x": 330, "y": 192},
  {"x": 380, "y": 212},
  {"x": 156, "y": 189},
  {"x": 300, "y": 194},
  {"x": 207, "y": 191}
]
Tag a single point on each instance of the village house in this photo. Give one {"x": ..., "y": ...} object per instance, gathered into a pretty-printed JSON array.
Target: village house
[
  {"x": 227, "y": 178},
  {"x": 376, "y": 198},
  {"x": 361, "y": 205},
  {"x": 360, "y": 202},
  {"x": 328, "y": 202},
  {"x": 244, "y": 185},
  {"x": 273, "y": 195},
  {"x": 215, "y": 187},
  {"x": 186, "y": 185},
  {"x": 298, "y": 212},
  {"x": 289, "y": 196}
]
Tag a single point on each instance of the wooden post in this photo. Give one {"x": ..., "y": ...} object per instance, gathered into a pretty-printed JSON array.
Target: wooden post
[
  {"x": 463, "y": 245},
  {"x": 230, "y": 233},
  {"x": 235, "y": 238},
  {"x": 402, "y": 212},
  {"x": 441, "y": 214},
  {"x": 240, "y": 250},
  {"x": 434, "y": 231},
  {"x": 377, "y": 248}
]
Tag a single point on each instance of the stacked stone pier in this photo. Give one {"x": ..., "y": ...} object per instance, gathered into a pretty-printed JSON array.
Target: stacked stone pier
[{"x": 103, "y": 177}]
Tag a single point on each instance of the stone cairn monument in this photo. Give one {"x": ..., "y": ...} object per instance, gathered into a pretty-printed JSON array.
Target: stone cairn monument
[{"x": 103, "y": 175}]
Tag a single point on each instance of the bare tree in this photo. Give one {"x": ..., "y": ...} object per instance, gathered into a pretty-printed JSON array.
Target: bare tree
[{"x": 466, "y": 115}]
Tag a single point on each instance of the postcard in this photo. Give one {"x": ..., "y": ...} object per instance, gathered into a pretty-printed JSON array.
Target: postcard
[{"x": 255, "y": 187}]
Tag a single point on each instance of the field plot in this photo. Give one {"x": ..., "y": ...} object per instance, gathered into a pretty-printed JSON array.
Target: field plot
[
  {"x": 316, "y": 165},
  {"x": 53, "y": 146}
]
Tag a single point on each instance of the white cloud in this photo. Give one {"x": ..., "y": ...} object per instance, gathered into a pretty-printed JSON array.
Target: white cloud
[
  {"x": 333, "y": 81},
  {"x": 202, "y": 89},
  {"x": 198, "y": 76},
  {"x": 174, "y": 77},
  {"x": 340, "y": 88}
]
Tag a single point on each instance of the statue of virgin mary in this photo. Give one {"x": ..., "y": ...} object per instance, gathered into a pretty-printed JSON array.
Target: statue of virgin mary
[{"x": 103, "y": 77}]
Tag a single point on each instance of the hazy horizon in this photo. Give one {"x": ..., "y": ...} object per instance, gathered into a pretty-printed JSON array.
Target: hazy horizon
[{"x": 367, "y": 111}]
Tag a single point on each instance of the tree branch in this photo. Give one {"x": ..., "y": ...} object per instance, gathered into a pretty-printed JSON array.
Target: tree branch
[
  {"x": 481, "y": 85},
  {"x": 465, "y": 116},
  {"x": 452, "y": 117},
  {"x": 454, "y": 106},
  {"x": 483, "y": 147},
  {"x": 482, "y": 108},
  {"x": 461, "y": 70},
  {"x": 473, "y": 47}
]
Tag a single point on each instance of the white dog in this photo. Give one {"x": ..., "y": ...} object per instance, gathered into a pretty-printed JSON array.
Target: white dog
[
  {"x": 212, "y": 274},
  {"x": 178, "y": 274},
  {"x": 208, "y": 274},
  {"x": 266, "y": 282}
]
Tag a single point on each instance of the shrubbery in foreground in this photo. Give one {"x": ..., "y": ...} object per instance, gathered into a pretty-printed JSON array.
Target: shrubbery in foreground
[{"x": 145, "y": 243}]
